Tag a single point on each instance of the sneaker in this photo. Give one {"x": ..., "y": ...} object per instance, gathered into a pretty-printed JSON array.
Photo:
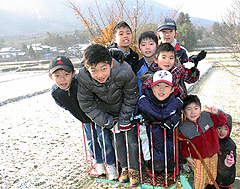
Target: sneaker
[
  {"x": 100, "y": 168},
  {"x": 112, "y": 172},
  {"x": 149, "y": 172},
  {"x": 134, "y": 178},
  {"x": 124, "y": 175}
]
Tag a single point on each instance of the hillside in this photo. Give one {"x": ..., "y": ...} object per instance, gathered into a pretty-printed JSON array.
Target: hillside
[{"x": 56, "y": 17}]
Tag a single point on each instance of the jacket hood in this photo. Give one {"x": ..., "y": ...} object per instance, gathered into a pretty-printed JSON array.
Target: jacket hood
[{"x": 229, "y": 123}]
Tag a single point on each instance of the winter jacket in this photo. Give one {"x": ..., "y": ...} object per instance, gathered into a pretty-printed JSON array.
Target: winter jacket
[
  {"x": 182, "y": 53},
  {"x": 203, "y": 134},
  {"x": 142, "y": 67},
  {"x": 131, "y": 57},
  {"x": 226, "y": 175},
  {"x": 67, "y": 99},
  {"x": 178, "y": 73},
  {"x": 117, "y": 96},
  {"x": 170, "y": 108}
]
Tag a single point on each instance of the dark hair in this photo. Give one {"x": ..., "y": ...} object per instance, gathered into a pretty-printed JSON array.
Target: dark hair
[
  {"x": 121, "y": 24},
  {"x": 148, "y": 35},
  {"x": 96, "y": 53},
  {"x": 191, "y": 99},
  {"x": 165, "y": 47}
]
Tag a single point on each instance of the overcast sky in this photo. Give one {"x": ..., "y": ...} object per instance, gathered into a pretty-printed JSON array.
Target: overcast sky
[{"x": 209, "y": 9}]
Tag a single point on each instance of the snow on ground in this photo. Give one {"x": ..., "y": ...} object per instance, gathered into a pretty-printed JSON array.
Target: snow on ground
[{"x": 41, "y": 144}]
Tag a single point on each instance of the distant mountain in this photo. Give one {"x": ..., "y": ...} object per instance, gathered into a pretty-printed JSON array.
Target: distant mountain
[
  {"x": 25, "y": 24},
  {"x": 58, "y": 18}
]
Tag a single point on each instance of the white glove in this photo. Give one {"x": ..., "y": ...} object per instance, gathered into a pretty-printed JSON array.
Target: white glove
[{"x": 188, "y": 65}]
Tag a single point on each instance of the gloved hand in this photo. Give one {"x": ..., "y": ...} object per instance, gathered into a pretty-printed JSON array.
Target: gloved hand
[
  {"x": 196, "y": 58},
  {"x": 117, "y": 54},
  {"x": 124, "y": 125},
  {"x": 116, "y": 128},
  {"x": 189, "y": 65},
  {"x": 139, "y": 119},
  {"x": 110, "y": 122},
  {"x": 167, "y": 124},
  {"x": 229, "y": 161}
]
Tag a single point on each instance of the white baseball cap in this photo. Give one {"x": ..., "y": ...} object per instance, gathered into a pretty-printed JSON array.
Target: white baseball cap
[{"x": 162, "y": 76}]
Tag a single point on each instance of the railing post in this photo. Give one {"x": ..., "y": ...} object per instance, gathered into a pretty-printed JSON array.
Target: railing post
[
  {"x": 139, "y": 151},
  {"x": 152, "y": 155},
  {"x": 85, "y": 147}
]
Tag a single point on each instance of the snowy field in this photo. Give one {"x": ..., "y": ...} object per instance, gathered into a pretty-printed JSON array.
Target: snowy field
[{"x": 41, "y": 144}]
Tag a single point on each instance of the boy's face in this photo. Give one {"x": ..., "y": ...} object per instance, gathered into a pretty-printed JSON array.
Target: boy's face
[
  {"x": 222, "y": 131},
  {"x": 147, "y": 47},
  {"x": 167, "y": 35},
  {"x": 165, "y": 60},
  {"x": 162, "y": 90},
  {"x": 123, "y": 37},
  {"x": 100, "y": 72},
  {"x": 62, "y": 78},
  {"x": 192, "y": 112}
]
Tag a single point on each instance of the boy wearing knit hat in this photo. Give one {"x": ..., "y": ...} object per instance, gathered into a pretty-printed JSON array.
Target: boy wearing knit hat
[{"x": 166, "y": 32}]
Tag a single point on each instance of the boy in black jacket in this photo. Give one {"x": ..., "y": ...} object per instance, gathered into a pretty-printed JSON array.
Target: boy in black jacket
[
  {"x": 64, "y": 92},
  {"x": 120, "y": 48},
  {"x": 226, "y": 157}
]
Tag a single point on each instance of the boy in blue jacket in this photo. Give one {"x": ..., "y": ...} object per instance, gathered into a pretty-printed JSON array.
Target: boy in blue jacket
[
  {"x": 159, "y": 104},
  {"x": 64, "y": 92},
  {"x": 147, "y": 44}
]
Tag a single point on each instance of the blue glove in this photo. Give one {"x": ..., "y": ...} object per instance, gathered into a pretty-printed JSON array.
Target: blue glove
[
  {"x": 110, "y": 122},
  {"x": 167, "y": 124},
  {"x": 117, "y": 54},
  {"x": 124, "y": 125}
]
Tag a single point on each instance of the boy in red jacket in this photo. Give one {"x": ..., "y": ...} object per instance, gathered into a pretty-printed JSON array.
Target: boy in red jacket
[{"x": 200, "y": 129}]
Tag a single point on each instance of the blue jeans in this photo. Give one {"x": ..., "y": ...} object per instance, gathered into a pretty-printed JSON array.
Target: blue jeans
[{"x": 98, "y": 141}]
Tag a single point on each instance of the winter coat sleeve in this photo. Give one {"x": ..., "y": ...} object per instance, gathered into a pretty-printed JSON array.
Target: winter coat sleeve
[
  {"x": 185, "y": 147},
  {"x": 187, "y": 76},
  {"x": 131, "y": 95},
  {"x": 54, "y": 88},
  {"x": 177, "y": 116},
  {"x": 88, "y": 104},
  {"x": 219, "y": 119}
]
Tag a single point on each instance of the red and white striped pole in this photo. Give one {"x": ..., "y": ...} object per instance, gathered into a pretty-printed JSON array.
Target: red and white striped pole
[
  {"x": 165, "y": 155},
  {"x": 152, "y": 155}
]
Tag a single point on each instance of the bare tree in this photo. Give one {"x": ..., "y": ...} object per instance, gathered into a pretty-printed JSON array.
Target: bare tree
[
  {"x": 227, "y": 33},
  {"x": 100, "y": 20}
]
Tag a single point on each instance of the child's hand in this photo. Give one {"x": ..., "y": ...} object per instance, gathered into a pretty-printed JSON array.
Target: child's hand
[
  {"x": 191, "y": 162},
  {"x": 229, "y": 161},
  {"x": 212, "y": 110}
]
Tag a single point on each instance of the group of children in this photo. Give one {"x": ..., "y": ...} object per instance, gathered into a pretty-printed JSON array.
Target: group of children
[{"x": 113, "y": 88}]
